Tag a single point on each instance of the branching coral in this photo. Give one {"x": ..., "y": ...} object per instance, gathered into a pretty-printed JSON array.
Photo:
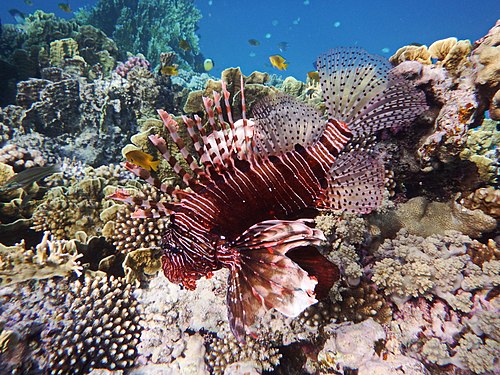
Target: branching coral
[
  {"x": 412, "y": 266},
  {"x": 49, "y": 258},
  {"x": 97, "y": 325}
]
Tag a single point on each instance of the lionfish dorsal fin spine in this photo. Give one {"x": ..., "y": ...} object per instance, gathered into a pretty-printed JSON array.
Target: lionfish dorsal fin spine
[{"x": 145, "y": 175}]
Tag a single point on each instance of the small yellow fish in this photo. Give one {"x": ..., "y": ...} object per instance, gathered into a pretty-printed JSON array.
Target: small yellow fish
[
  {"x": 208, "y": 64},
  {"x": 184, "y": 44},
  {"x": 142, "y": 159},
  {"x": 313, "y": 76},
  {"x": 169, "y": 70},
  {"x": 65, "y": 7},
  {"x": 278, "y": 62}
]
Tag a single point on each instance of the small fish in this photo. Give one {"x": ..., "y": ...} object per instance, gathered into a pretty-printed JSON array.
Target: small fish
[
  {"x": 246, "y": 206},
  {"x": 27, "y": 177},
  {"x": 253, "y": 42},
  {"x": 65, "y": 7},
  {"x": 169, "y": 70},
  {"x": 278, "y": 62},
  {"x": 313, "y": 76},
  {"x": 184, "y": 44},
  {"x": 208, "y": 65},
  {"x": 142, "y": 159},
  {"x": 18, "y": 15},
  {"x": 28, "y": 2},
  {"x": 283, "y": 46}
]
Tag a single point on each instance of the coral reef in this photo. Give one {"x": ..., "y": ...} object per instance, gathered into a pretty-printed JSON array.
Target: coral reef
[
  {"x": 486, "y": 56},
  {"x": 137, "y": 27},
  {"x": 482, "y": 149},
  {"x": 49, "y": 258},
  {"x": 97, "y": 325},
  {"x": 422, "y": 217}
]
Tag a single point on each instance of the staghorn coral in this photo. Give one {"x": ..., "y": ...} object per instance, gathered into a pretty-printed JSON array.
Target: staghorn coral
[
  {"x": 49, "y": 258},
  {"x": 97, "y": 325}
]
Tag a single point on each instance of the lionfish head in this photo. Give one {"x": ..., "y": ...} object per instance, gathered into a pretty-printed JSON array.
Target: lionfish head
[{"x": 183, "y": 259}]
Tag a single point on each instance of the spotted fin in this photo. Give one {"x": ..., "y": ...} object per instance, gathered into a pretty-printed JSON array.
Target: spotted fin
[
  {"x": 281, "y": 122},
  {"x": 359, "y": 89},
  {"x": 264, "y": 277},
  {"x": 355, "y": 183}
]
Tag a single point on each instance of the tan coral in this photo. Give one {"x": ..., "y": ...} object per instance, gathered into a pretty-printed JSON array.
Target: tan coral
[
  {"x": 486, "y": 199},
  {"x": 49, "y": 258},
  {"x": 440, "y": 48},
  {"x": 457, "y": 56},
  {"x": 411, "y": 53},
  {"x": 62, "y": 49},
  {"x": 254, "y": 90}
]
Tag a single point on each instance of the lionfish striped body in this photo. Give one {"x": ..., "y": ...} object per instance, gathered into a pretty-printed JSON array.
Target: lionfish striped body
[{"x": 258, "y": 178}]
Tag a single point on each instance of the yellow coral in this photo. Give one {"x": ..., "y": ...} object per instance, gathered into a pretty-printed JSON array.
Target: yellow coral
[
  {"x": 411, "y": 53},
  {"x": 62, "y": 49},
  {"x": 457, "y": 56},
  {"x": 440, "y": 48}
]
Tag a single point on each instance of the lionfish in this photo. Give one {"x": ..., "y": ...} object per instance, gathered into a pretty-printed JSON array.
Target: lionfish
[{"x": 256, "y": 180}]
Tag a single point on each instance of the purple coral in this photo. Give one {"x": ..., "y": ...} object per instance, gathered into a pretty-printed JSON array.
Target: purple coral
[{"x": 133, "y": 62}]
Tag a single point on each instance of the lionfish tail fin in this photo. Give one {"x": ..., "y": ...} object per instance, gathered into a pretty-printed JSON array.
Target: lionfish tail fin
[
  {"x": 360, "y": 90},
  {"x": 264, "y": 277},
  {"x": 355, "y": 183}
]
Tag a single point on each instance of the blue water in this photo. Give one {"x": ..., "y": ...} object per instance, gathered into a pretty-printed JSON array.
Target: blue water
[{"x": 310, "y": 27}]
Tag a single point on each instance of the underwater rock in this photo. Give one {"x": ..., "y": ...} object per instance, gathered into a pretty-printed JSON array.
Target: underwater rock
[{"x": 486, "y": 56}]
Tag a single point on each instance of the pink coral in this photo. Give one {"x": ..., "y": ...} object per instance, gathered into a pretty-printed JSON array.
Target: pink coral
[{"x": 133, "y": 62}]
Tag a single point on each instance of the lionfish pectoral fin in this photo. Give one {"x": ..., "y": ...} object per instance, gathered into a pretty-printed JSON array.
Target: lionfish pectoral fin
[
  {"x": 264, "y": 277},
  {"x": 316, "y": 265},
  {"x": 355, "y": 184}
]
